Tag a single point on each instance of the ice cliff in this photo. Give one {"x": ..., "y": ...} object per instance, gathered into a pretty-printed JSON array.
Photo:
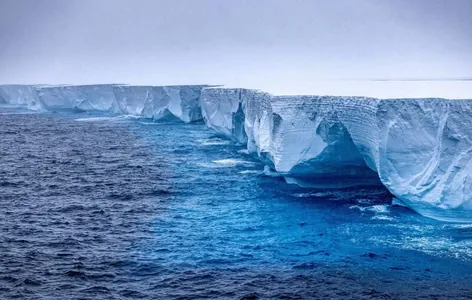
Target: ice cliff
[
  {"x": 158, "y": 102},
  {"x": 20, "y": 95},
  {"x": 419, "y": 149},
  {"x": 149, "y": 101}
]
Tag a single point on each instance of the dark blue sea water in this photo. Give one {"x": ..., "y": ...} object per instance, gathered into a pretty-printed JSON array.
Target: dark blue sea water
[{"x": 96, "y": 207}]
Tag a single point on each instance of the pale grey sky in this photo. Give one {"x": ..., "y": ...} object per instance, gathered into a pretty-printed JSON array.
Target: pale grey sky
[{"x": 275, "y": 45}]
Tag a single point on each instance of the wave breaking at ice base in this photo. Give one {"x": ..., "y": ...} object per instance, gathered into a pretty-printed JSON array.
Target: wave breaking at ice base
[{"x": 233, "y": 162}]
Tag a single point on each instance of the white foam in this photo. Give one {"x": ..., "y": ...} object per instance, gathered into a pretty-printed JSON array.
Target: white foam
[
  {"x": 461, "y": 226},
  {"x": 149, "y": 123},
  {"x": 250, "y": 172},
  {"x": 130, "y": 117},
  {"x": 214, "y": 142},
  {"x": 380, "y": 209},
  {"x": 230, "y": 162},
  {"x": 436, "y": 246},
  {"x": 227, "y": 163},
  {"x": 95, "y": 119},
  {"x": 382, "y": 217},
  {"x": 208, "y": 165}
]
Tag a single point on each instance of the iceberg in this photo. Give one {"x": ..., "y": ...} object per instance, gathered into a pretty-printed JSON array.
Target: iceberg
[
  {"x": 290, "y": 134},
  {"x": 20, "y": 95},
  {"x": 98, "y": 98},
  {"x": 147, "y": 101},
  {"x": 158, "y": 102},
  {"x": 419, "y": 149},
  {"x": 232, "y": 112},
  {"x": 222, "y": 112},
  {"x": 424, "y": 155}
]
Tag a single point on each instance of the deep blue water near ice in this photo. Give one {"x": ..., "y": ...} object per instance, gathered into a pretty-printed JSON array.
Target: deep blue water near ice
[{"x": 95, "y": 207}]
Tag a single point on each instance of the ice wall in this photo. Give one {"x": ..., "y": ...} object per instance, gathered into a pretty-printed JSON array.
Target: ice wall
[
  {"x": 160, "y": 101},
  {"x": 81, "y": 98},
  {"x": 20, "y": 95},
  {"x": 424, "y": 155},
  {"x": 148, "y": 101},
  {"x": 420, "y": 149},
  {"x": 232, "y": 112}
]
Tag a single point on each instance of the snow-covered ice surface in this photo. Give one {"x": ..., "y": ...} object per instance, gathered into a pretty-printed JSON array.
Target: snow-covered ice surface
[{"x": 418, "y": 148}]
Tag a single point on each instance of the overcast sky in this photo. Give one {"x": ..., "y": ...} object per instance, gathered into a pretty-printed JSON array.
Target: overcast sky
[{"x": 276, "y": 45}]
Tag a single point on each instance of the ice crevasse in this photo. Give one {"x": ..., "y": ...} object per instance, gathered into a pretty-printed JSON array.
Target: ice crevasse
[{"x": 419, "y": 149}]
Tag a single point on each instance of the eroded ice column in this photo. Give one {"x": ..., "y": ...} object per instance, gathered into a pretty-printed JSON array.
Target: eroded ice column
[
  {"x": 256, "y": 106},
  {"x": 222, "y": 110},
  {"x": 184, "y": 102},
  {"x": 158, "y": 102},
  {"x": 233, "y": 112}
]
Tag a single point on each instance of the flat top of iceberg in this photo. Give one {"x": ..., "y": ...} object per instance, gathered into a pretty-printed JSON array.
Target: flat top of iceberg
[
  {"x": 171, "y": 85},
  {"x": 457, "y": 89},
  {"x": 382, "y": 89}
]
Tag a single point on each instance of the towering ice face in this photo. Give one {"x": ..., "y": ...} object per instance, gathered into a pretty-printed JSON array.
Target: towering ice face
[
  {"x": 131, "y": 99},
  {"x": 232, "y": 112},
  {"x": 307, "y": 141},
  {"x": 256, "y": 108},
  {"x": 160, "y": 101},
  {"x": 300, "y": 137},
  {"x": 184, "y": 102},
  {"x": 148, "y": 101},
  {"x": 82, "y": 98},
  {"x": 20, "y": 95},
  {"x": 424, "y": 155},
  {"x": 222, "y": 112},
  {"x": 420, "y": 149}
]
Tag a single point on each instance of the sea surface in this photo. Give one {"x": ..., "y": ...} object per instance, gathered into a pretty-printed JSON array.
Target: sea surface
[{"x": 96, "y": 207}]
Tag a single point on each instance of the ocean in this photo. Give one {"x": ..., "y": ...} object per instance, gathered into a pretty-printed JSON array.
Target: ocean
[{"x": 100, "y": 207}]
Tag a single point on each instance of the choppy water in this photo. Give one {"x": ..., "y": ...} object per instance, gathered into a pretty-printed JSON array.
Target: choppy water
[{"x": 93, "y": 207}]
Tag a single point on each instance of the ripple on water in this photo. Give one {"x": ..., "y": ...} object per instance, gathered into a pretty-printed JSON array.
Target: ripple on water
[{"x": 112, "y": 208}]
